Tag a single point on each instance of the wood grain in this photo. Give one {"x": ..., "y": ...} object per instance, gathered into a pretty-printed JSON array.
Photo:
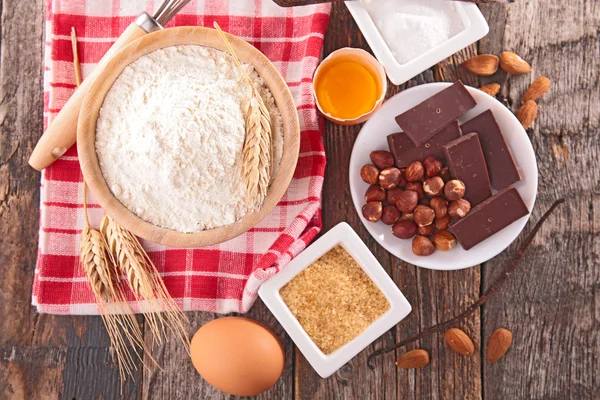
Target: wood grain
[{"x": 551, "y": 304}]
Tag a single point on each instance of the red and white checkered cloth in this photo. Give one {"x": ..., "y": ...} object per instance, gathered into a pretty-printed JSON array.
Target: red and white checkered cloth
[{"x": 223, "y": 278}]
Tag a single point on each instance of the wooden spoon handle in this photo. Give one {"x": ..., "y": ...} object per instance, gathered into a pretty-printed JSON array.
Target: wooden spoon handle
[{"x": 62, "y": 131}]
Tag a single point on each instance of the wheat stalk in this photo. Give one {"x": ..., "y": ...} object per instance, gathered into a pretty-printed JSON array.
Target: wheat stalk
[{"x": 257, "y": 151}]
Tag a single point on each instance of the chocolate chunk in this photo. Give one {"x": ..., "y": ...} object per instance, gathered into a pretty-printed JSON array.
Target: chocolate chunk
[
  {"x": 500, "y": 162},
  {"x": 490, "y": 217},
  {"x": 405, "y": 152},
  {"x": 467, "y": 163},
  {"x": 424, "y": 120}
]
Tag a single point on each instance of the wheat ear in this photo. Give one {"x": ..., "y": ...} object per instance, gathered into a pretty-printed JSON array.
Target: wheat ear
[
  {"x": 161, "y": 311},
  {"x": 257, "y": 151}
]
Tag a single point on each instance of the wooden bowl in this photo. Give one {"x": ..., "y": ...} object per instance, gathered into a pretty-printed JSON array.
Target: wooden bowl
[{"x": 86, "y": 135}]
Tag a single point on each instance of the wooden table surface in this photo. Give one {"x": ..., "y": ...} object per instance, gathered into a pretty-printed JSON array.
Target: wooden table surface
[{"x": 551, "y": 303}]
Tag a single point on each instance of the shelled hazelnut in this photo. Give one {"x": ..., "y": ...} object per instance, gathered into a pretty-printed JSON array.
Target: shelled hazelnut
[
  {"x": 372, "y": 211},
  {"x": 407, "y": 217},
  {"x": 433, "y": 186},
  {"x": 404, "y": 229},
  {"x": 382, "y": 159},
  {"x": 390, "y": 215},
  {"x": 445, "y": 174},
  {"x": 433, "y": 166},
  {"x": 426, "y": 230},
  {"x": 444, "y": 240},
  {"x": 454, "y": 189},
  {"x": 415, "y": 172},
  {"x": 422, "y": 246},
  {"x": 407, "y": 201},
  {"x": 443, "y": 222},
  {"x": 375, "y": 193},
  {"x": 370, "y": 174},
  {"x": 423, "y": 215},
  {"x": 459, "y": 208},
  {"x": 389, "y": 178},
  {"x": 439, "y": 205},
  {"x": 416, "y": 187},
  {"x": 392, "y": 195}
]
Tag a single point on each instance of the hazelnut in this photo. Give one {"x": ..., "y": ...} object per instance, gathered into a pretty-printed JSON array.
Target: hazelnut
[
  {"x": 454, "y": 190},
  {"x": 416, "y": 187},
  {"x": 422, "y": 246},
  {"x": 433, "y": 166},
  {"x": 372, "y": 211},
  {"x": 459, "y": 208},
  {"x": 444, "y": 240},
  {"x": 415, "y": 172},
  {"x": 407, "y": 201},
  {"x": 389, "y": 178},
  {"x": 392, "y": 195},
  {"x": 407, "y": 217},
  {"x": 433, "y": 186},
  {"x": 425, "y": 201},
  {"x": 439, "y": 206},
  {"x": 375, "y": 193},
  {"x": 404, "y": 229},
  {"x": 424, "y": 215},
  {"x": 382, "y": 159},
  {"x": 426, "y": 230},
  {"x": 445, "y": 174},
  {"x": 443, "y": 222},
  {"x": 370, "y": 174},
  {"x": 390, "y": 215}
]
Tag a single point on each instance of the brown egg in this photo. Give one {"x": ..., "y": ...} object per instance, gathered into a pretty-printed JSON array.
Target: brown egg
[{"x": 237, "y": 355}]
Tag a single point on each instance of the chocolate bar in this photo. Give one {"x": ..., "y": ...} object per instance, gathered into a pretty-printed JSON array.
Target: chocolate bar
[
  {"x": 405, "y": 152},
  {"x": 500, "y": 162},
  {"x": 424, "y": 120},
  {"x": 490, "y": 217},
  {"x": 467, "y": 163}
]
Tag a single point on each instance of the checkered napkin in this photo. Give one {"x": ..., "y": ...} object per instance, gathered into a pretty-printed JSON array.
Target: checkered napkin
[{"x": 223, "y": 278}]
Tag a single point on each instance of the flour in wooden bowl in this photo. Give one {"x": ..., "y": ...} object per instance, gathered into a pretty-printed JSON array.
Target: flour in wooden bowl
[{"x": 170, "y": 134}]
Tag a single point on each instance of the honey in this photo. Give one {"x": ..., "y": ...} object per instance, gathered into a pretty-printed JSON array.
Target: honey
[{"x": 347, "y": 89}]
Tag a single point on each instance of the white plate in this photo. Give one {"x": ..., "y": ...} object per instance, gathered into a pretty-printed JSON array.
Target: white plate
[
  {"x": 341, "y": 234},
  {"x": 373, "y": 136},
  {"x": 473, "y": 20}
]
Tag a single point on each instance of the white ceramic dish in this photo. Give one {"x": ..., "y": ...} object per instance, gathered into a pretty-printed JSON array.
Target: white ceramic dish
[
  {"x": 373, "y": 136},
  {"x": 473, "y": 20},
  {"x": 342, "y": 234}
]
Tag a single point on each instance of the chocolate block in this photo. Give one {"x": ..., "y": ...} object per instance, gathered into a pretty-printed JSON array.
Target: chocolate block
[
  {"x": 405, "y": 152},
  {"x": 500, "y": 162},
  {"x": 490, "y": 217},
  {"x": 467, "y": 163},
  {"x": 424, "y": 120}
]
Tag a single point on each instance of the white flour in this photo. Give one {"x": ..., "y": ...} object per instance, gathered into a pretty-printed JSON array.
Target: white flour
[
  {"x": 170, "y": 134},
  {"x": 412, "y": 27}
]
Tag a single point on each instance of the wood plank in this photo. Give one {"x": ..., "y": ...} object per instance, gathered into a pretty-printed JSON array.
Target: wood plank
[
  {"x": 551, "y": 303},
  {"x": 433, "y": 295}
]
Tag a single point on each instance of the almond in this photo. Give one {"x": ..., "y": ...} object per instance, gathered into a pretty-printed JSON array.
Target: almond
[
  {"x": 413, "y": 359},
  {"x": 459, "y": 341},
  {"x": 527, "y": 113},
  {"x": 513, "y": 64},
  {"x": 492, "y": 89},
  {"x": 483, "y": 64},
  {"x": 538, "y": 88},
  {"x": 498, "y": 345}
]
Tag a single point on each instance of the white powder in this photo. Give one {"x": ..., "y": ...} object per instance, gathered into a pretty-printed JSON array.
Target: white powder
[
  {"x": 170, "y": 135},
  {"x": 412, "y": 27}
]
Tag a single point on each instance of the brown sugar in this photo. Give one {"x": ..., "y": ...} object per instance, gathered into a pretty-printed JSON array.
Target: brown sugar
[{"x": 334, "y": 300}]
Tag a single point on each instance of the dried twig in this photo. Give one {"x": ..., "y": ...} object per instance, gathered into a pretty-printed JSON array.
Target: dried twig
[
  {"x": 518, "y": 257},
  {"x": 256, "y": 153}
]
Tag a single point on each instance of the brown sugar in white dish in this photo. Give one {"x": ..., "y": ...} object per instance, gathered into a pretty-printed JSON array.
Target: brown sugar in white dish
[{"x": 334, "y": 300}]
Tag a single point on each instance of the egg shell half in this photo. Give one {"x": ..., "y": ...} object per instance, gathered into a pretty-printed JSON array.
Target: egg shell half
[{"x": 237, "y": 355}]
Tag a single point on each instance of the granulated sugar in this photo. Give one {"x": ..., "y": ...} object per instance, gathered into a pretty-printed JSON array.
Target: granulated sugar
[{"x": 412, "y": 27}]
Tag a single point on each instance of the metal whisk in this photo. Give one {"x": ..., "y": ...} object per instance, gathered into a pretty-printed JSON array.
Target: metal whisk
[{"x": 167, "y": 10}]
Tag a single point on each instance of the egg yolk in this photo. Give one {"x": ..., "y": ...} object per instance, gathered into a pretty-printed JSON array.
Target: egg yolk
[{"x": 346, "y": 90}]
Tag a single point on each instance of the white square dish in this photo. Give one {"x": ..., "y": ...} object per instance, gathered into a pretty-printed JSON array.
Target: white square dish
[
  {"x": 475, "y": 27},
  {"x": 343, "y": 235}
]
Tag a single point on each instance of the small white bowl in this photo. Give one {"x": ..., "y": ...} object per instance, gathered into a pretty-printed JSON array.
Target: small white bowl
[
  {"x": 373, "y": 136},
  {"x": 473, "y": 20},
  {"x": 343, "y": 235}
]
